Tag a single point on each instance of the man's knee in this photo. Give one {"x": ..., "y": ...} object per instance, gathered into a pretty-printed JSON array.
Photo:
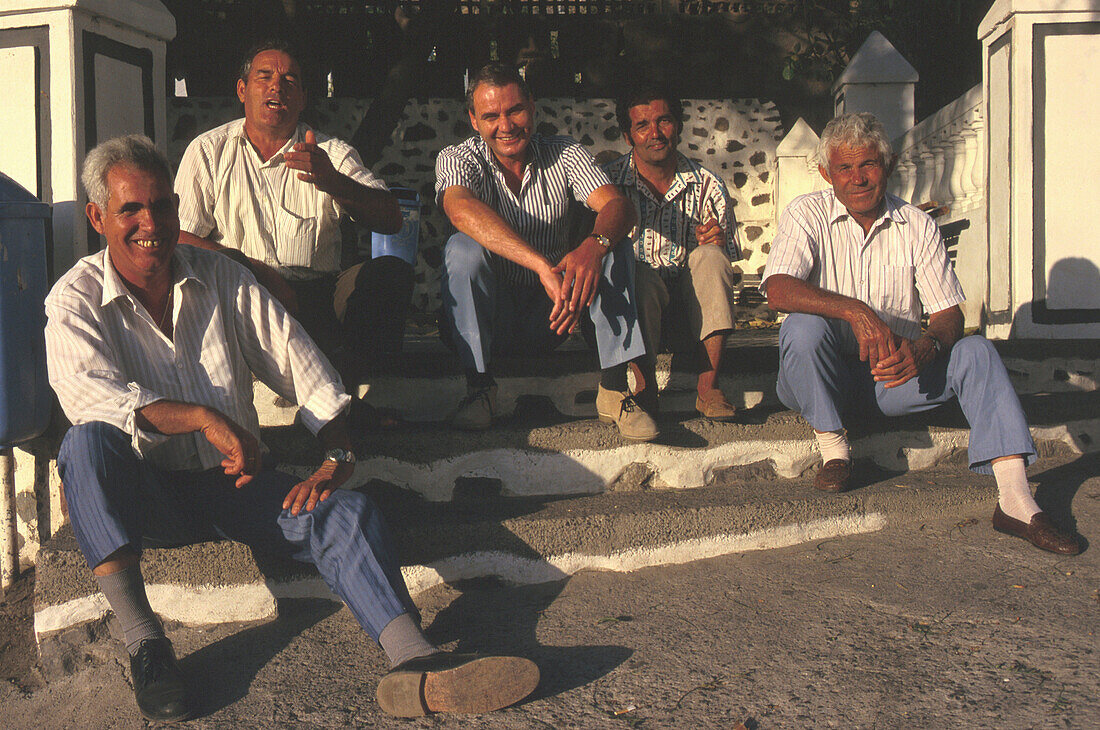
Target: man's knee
[
  {"x": 802, "y": 332},
  {"x": 710, "y": 259},
  {"x": 87, "y": 439},
  {"x": 464, "y": 258}
]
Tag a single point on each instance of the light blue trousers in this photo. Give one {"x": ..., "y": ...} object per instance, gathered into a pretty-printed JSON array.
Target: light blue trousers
[
  {"x": 116, "y": 499},
  {"x": 480, "y": 309},
  {"x": 822, "y": 377}
]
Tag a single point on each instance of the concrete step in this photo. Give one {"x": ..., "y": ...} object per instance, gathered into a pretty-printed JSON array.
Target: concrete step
[
  {"x": 524, "y": 540},
  {"x": 424, "y": 381},
  {"x": 539, "y": 452}
]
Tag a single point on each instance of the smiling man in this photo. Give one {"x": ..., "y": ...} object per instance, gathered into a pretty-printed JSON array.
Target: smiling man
[
  {"x": 684, "y": 241},
  {"x": 152, "y": 349},
  {"x": 856, "y": 267},
  {"x": 515, "y": 279},
  {"x": 274, "y": 189}
]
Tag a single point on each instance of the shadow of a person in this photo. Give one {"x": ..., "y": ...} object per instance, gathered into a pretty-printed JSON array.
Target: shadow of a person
[{"x": 1058, "y": 486}]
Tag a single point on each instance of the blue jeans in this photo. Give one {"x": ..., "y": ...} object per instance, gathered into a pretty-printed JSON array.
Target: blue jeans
[
  {"x": 480, "y": 310},
  {"x": 822, "y": 377},
  {"x": 116, "y": 500}
]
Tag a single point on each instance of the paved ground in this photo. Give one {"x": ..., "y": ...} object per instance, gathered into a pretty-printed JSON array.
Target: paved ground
[{"x": 937, "y": 624}]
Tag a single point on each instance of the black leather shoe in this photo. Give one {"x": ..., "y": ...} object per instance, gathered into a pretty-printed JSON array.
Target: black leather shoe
[
  {"x": 461, "y": 683},
  {"x": 158, "y": 681}
]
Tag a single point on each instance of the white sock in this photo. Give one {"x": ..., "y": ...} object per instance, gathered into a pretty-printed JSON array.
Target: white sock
[
  {"x": 1014, "y": 494},
  {"x": 833, "y": 445}
]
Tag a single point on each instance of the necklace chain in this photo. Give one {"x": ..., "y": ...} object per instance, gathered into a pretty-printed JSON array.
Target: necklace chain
[{"x": 167, "y": 309}]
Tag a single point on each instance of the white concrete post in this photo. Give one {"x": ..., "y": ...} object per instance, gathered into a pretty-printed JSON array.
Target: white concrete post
[
  {"x": 1040, "y": 65},
  {"x": 879, "y": 80},
  {"x": 796, "y": 172},
  {"x": 74, "y": 73},
  {"x": 9, "y": 536}
]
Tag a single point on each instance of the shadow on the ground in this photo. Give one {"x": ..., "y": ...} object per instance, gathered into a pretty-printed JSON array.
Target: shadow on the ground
[
  {"x": 221, "y": 673},
  {"x": 1059, "y": 485}
]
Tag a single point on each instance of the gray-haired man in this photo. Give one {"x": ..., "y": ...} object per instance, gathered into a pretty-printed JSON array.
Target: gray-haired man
[{"x": 856, "y": 267}]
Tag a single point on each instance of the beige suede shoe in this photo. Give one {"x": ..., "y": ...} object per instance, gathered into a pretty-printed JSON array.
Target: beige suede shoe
[
  {"x": 621, "y": 409},
  {"x": 475, "y": 411}
]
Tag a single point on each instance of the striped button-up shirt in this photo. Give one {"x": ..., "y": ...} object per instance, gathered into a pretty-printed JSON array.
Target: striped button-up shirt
[
  {"x": 108, "y": 359},
  {"x": 559, "y": 171},
  {"x": 899, "y": 268},
  {"x": 665, "y": 232},
  {"x": 228, "y": 194}
]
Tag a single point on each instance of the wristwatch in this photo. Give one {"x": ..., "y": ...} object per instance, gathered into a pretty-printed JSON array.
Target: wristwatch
[
  {"x": 602, "y": 239},
  {"x": 936, "y": 344},
  {"x": 340, "y": 456}
]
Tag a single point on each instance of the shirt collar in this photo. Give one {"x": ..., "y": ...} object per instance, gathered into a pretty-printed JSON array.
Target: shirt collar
[
  {"x": 114, "y": 288},
  {"x": 686, "y": 175},
  {"x": 299, "y": 134}
]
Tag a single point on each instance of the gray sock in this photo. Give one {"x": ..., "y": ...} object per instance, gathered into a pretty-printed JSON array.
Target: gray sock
[
  {"x": 125, "y": 591},
  {"x": 403, "y": 640}
]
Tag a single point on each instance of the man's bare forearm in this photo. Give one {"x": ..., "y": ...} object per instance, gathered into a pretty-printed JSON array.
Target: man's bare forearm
[
  {"x": 946, "y": 326},
  {"x": 787, "y": 293},
  {"x": 170, "y": 417},
  {"x": 615, "y": 219},
  {"x": 192, "y": 240},
  {"x": 370, "y": 207},
  {"x": 483, "y": 224}
]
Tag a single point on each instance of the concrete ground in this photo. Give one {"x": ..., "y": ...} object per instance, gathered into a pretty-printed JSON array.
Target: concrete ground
[{"x": 934, "y": 622}]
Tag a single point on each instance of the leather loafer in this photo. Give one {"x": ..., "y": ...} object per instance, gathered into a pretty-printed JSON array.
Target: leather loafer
[
  {"x": 159, "y": 686},
  {"x": 713, "y": 405},
  {"x": 1041, "y": 532},
  {"x": 460, "y": 683},
  {"x": 833, "y": 476}
]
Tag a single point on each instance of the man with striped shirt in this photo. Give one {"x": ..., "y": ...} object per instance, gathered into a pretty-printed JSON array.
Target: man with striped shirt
[
  {"x": 515, "y": 279},
  {"x": 855, "y": 267},
  {"x": 152, "y": 351},
  {"x": 270, "y": 187},
  {"x": 684, "y": 242}
]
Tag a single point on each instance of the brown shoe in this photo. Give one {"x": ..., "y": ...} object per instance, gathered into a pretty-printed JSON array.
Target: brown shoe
[
  {"x": 713, "y": 405},
  {"x": 461, "y": 683},
  {"x": 833, "y": 476},
  {"x": 1042, "y": 532}
]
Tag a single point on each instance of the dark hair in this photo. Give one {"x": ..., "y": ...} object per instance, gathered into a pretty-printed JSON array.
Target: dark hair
[
  {"x": 271, "y": 44},
  {"x": 644, "y": 95},
  {"x": 498, "y": 75}
]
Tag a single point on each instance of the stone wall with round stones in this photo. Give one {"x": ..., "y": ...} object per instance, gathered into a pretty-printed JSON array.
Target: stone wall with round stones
[{"x": 735, "y": 138}]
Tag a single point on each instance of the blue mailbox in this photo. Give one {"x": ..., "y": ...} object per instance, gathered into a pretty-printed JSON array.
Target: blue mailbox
[{"x": 25, "y": 231}]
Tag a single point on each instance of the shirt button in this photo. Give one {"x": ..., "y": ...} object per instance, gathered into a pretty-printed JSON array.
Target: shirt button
[{"x": 179, "y": 365}]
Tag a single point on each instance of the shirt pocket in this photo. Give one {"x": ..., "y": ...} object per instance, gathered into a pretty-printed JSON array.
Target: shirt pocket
[
  {"x": 893, "y": 290},
  {"x": 296, "y": 224}
]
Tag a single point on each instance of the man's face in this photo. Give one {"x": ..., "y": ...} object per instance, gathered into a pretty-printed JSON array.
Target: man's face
[
  {"x": 504, "y": 118},
  {"x": 653, "y": 133},
  {"x": 858, "y": 176},
  {"x": 141, "y": 223},
  {"x": 273, "y": 96}
]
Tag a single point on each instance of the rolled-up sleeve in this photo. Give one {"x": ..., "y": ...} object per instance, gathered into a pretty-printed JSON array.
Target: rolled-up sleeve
[
  {"x": 792, "y": 250},
  {"x": 195, "y": 188},
  {"x": 86, "y": 378},
  {"x": 457, "y": 165},
  {"x": 585, "y": 176},
  {"x": 936, "y": 282}
]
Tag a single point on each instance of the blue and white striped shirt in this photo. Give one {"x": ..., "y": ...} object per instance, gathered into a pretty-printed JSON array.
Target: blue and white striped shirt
[
  {"x": 559, "y": 171},
  {"x": 899, "y": 268},
  {"x": 108, "y": 359}
]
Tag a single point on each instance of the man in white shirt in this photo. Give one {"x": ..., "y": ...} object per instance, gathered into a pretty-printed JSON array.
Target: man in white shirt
[
  {"x": 856, "y": 267},
  {"x": 272, "y": 188},
  {"x": 152, "y": 350},
  {"x": 684, "y": 241}
]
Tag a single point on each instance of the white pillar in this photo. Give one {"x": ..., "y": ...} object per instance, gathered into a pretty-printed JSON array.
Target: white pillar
[
  {"x": 73, "y": 73},
  {"x": 796, "y": 172},
  {"x": 1040, "y": 65},
  {"x": 879, "y": 80}
]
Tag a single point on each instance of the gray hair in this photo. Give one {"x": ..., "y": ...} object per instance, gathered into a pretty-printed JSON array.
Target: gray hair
[
  {"x": 858, "y": 129},
  {"x": 135, "y": 150}
]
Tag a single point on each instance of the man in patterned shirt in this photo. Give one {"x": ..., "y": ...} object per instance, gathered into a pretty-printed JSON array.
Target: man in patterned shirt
[
  {"x": 152, "y": 350},
  {"x": 684, "y": 241},
  {"x": 855, "y": 267},
  {"x": 515, "y": 279}
]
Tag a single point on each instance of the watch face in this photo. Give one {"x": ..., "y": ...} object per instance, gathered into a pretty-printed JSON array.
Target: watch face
[{"x": 340, "y": 455}]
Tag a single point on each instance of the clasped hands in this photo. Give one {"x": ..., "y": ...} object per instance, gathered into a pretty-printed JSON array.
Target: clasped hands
[{"x": 894, "y": 360}]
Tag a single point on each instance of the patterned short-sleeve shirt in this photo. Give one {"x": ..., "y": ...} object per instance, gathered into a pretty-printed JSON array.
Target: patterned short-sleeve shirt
[{"x": 665, "y": 232}]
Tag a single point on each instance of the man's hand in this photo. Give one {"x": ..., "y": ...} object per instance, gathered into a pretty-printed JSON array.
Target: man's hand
[
  {"x": 562, "y": 319},
  {"x": 242, "y": 451},
  {"x": 710, "y": 234},
  {"x": 330, "y": 475},
  {"x": 315, "y": 166},
  {"x": 910, "y": 357},
  {"x": 580, "y": 271},
  {"x": 876, "y": 341}
]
